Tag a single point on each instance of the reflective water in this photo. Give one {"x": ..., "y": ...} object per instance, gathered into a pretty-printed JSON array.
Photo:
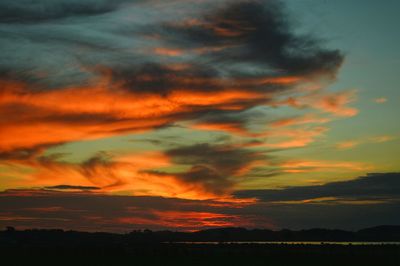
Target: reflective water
[{"x": 292, "y": 243}]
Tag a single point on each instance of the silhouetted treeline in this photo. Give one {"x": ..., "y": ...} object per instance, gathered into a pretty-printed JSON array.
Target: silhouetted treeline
[
  {"x": 58, "y": 247},
  {"x": 36, "y": 236}
]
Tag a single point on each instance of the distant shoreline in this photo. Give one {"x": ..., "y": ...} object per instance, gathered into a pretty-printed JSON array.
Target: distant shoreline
[{"x": 318, "y": 243}]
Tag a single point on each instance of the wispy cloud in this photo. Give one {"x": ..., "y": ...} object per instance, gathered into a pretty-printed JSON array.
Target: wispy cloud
[
  {"x": 349, "y": 144},
  {"x": 380, "y": 100}
]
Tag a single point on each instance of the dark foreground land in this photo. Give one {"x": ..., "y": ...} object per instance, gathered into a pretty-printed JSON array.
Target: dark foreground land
[
  {"x": 205, "y": 254},
  {"x": 57, "y": 247}
]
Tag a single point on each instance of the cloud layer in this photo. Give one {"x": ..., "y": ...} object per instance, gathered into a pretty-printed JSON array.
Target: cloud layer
[
  {"x": 364, "y": 202},
  {"x": 249, "y": 58},
  {"x": 377, "y": 186},
  {"x": 78, "y": 71}
]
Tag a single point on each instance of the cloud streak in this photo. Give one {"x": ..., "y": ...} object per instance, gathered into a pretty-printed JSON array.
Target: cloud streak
[
  {"x": 354, "y": 204},
  {"x": 372, "y": 186}
]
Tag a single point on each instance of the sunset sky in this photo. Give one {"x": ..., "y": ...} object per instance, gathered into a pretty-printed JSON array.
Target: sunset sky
[{"x": 191, "y": 114}]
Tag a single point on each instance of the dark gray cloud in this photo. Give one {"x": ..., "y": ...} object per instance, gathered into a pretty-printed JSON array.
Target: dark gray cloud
[
  {"x": 372, "y": 186},
  {"x": 216, "y": 167},
  {"x": 256, "y": 41},
  {"x": 334, "y": 216},
  {"x": 25, "y": 153},
  {"x": 27, "y": 11},
  {"x": 96, "y": 212},
  {"x": 256, "y": 33},
  {"x": 68, "y": 187},
  {"x": 227, "y": 158},
  {"x": 53, "y": 44},
  {"x": 90, "y": 211},
  {"x": 162, "y": 79}
]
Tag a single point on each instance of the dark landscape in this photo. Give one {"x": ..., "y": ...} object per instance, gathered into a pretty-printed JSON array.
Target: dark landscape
[{"x": 206, "y": 247}]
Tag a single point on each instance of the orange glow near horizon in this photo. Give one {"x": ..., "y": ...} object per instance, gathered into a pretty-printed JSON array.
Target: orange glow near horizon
[
  {"x": 128, "y": 174},
  {"x": 186, "y": 220}
]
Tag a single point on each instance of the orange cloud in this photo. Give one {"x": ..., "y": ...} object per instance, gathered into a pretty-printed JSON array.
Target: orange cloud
[
  {"x": 347, "y": 144},
  {"x": 383, "y": 138},
  {"x": 353, "y": 143},
  {"x": 32, "y": 118},
  {"x": 168, "y": 51},
  {"x": 42, "y": 118},
  {"x": 183, "y": 219},
  {"x": 295, "y": 138},
  {"x": 210, "y": 49},
  {"x": 128, "y": 174},
  {"x": 139, "y": 174},
  {"x": 300, "y": 120},
  {"x": 220, "y": 27},
  {"x": 380, "y": 100},
  {"x": 259, "y": 81},
  {"x": 124, "y": 175},
  {"x": 303, "y": 166},
  {"x": 335, "y": 103}
]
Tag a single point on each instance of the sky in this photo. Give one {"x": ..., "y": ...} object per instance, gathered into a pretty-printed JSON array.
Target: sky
[{"x": 194, "y": 114}]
